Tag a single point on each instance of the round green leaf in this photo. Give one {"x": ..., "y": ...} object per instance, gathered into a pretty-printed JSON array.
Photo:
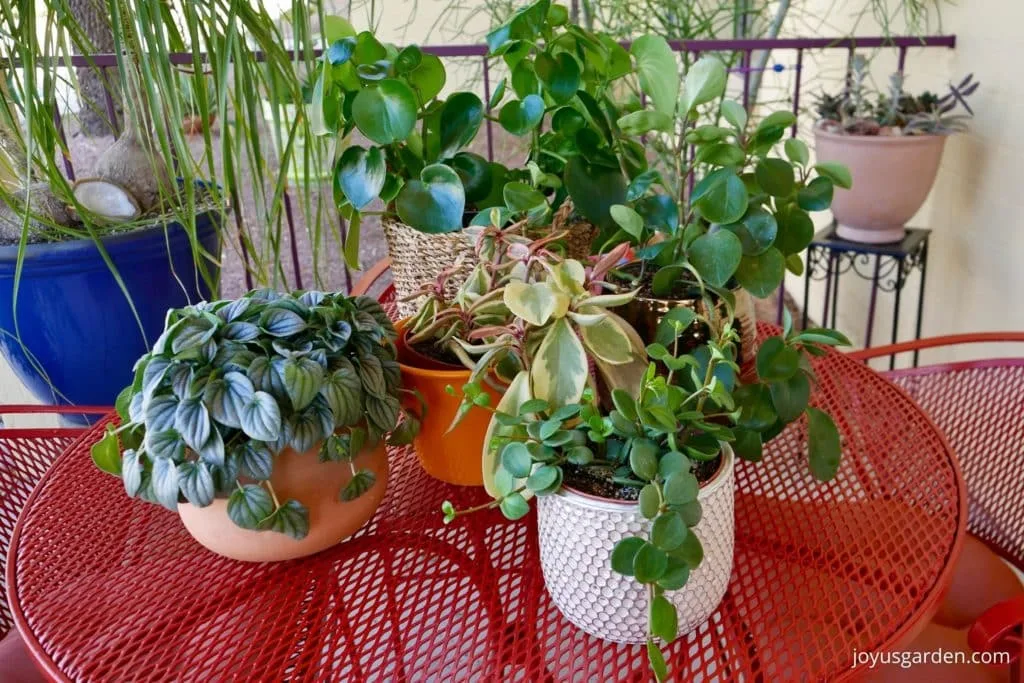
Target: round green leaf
[
  {"x": 524, "y": 79},
  {"x": 681, "y": 488},
  {"x": 560, "y": 75},
  {"x": 668, "y": 531},
  {"x": 643, "y": 458},
  {"x": 836, "y": 172},
  {"x": 721, "y": 154},
  {"x": 761, "y": 275},
  {"x": 705, "y": 81},
  {"x": 567, "y": 121},
  {"x": 514, "y": 506},
  {"x": 735, "y": 114},
  {"x": 658, "y": 71},
  {"x": 776, "y": 361},
  {"x": 341, "y": 51},
  {"x": 434, "y": 203},
  {"x": 628, "y": 219},
  {"x": 427, "y": 79},
  {"x": 790, "y": 396},
  {"x": 594, "y": 190},
  {"x": 644, "y": 121},
  {"x": 673, "y": 462},
  {"x": 461, "y": 117},
  {"x": 676, "y": 576},
  {"x": 624, "y": 553},
  {"x": 360, "y": 174},
  {"x": 748, "y": 445},
  {"x": 721, "y": 196},
  {"x": 775, "y": 176},
  {"x": 817, "y": 196},
  {"x": 519, "y": 117},
  {"x": 796, "y": 230},
  {"x": 797, "y": 152},
  {"x": 823, "y": 445},
  {"x": 385, "y": 113},
  {"x": 649, "y": 501},
  {"x": 475, "y": 173},
  {"x": 515, "y": 458},
  {"x": 523, "y": 197},
  {"x": 196, "y": 483},
  {"x": 649, "y": 564},
  {"x": 691, "y": 551},
  {"x": 716, "y": 256},
  {"x": 760, "y": 232},
  {"x": 408, "y": 59},
  {"x": 542, "y": 478},
  {"x": 664, "y": 621}
]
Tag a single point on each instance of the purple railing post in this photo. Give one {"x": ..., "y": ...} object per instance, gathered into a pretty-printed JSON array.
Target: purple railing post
[
  {"x": 487, "y": 103},
  {"x": 902, "y": 60},
  {"x": 111, "y": 112},
  {"x": 291, "y": 240},
  {"x": 796, "y": 87},
  {"x": 69, "y": 168}
]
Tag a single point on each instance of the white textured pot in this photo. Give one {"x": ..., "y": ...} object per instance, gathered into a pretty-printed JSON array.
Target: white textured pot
[{"x": 577, "y": 533}]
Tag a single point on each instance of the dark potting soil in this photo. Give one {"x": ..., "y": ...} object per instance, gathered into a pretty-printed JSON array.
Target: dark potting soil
[
  {"x": 597, "y": 481},
  {"x": 441, "y": 355}
]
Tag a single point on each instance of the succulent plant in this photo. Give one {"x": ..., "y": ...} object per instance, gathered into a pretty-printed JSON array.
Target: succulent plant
[
  {"x": 230, "y": 384},
  {"x": 859, "y": 112}
]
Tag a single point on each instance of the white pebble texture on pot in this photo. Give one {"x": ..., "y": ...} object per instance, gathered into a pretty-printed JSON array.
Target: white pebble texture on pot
[{"x": 577, "y": 534}]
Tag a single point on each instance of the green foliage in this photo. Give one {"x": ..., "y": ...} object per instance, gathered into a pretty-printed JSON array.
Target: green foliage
[
  {"x": 418, "y": 166},
  {"x": 229, "y": 384}
]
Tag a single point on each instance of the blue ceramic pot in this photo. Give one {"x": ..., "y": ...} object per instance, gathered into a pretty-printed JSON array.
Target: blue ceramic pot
[{"x": 75, "y": 322}]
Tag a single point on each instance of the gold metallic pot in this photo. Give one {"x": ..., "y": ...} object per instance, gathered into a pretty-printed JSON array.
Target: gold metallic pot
[{"x": 646, "y": 313}]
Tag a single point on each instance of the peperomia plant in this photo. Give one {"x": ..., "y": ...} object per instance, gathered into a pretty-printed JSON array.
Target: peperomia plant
[
  {"x": 417, "y": 164},
  {"x": 747, "y": 218},
  {"x": 655, "y": 439},
  {"x": 230, "y": 384}
]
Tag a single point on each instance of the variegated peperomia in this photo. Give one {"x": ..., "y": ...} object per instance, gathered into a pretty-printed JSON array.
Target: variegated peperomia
[{"x": 229, "y": 384}]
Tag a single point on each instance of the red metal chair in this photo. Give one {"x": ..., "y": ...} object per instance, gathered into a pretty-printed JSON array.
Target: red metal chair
[
  {"x": 25, "y": 454},
  {"x": 979, "y": 404}
]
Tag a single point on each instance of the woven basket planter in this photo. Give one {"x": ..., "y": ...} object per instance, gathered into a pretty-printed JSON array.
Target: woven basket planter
[
  {"x": 577, "y": 533},
  {"x": 418, "y": 258}
]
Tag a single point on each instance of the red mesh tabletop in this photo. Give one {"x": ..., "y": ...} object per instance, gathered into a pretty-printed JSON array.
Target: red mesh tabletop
[{"x": 109, "y": 589}]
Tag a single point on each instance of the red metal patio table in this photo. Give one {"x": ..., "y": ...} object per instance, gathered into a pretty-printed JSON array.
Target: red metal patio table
[{"x": 104, "y": 588}]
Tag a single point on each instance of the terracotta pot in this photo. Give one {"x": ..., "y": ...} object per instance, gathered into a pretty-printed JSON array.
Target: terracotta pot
[
  {"x": 577, "y": 532},
  {"x": 892, "y": 176},
  {"x": 315, "y": 484},
  {"x": 646, "y": 313},
  {"x": 451, "y": 456},
  {"x": 195, "y": 125}
]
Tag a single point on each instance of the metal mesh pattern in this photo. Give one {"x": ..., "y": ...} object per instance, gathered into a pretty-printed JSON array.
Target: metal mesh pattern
[
  {"x": 979, "y": 407},
  {"x": 109, "y": 589},
  {"x": 24, "y": 457}
]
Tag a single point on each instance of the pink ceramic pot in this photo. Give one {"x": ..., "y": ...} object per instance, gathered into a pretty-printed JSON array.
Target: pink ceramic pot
[
  {"x": 892, "y": 176},
  {"x": 313, "y": 483}
]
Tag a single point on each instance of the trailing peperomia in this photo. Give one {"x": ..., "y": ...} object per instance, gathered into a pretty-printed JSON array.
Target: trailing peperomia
[
  {"x": 651, "y": 437},
  {"x": 230, "y": 384},
  {"x": 416, "y": 164}
]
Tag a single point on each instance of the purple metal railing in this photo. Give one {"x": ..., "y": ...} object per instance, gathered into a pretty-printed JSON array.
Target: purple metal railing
[{"x": 693, "y": 47}]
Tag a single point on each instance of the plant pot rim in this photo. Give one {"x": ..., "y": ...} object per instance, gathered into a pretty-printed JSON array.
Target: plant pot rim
[
  {"x": 599, "y": 502},
  {"x": 456, "y": 372},
  {"x": 880, "y": 140},
  {"x": 205, "y": 222}
]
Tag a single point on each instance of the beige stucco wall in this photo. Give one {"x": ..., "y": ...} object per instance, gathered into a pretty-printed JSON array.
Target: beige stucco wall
[{"x": 976, "y": 205}]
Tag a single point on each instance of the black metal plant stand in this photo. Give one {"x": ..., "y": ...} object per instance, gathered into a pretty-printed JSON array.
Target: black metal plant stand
[{"x": 885, "y": 265}]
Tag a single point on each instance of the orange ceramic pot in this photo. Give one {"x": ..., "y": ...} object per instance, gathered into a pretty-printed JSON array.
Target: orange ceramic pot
[
  {"x": 315, "y": 484},
  {"x": 451, "y": 456}
]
